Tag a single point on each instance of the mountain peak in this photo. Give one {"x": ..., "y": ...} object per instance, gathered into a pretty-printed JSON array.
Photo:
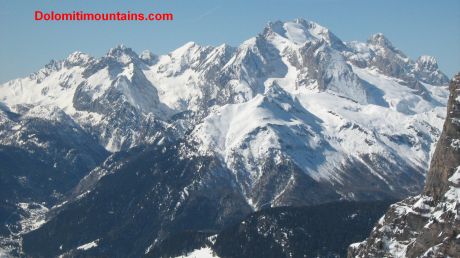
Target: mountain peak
[
  {"x": 300, "y": 21},
  {"x": 187, "y": 47},
  {"x": 117, "y": 49},
  {"x": 380, "y": 40},
  {"x": 148, "y": 57},
  {"x": 303, "y": 21},
  {"x": 310, "y": 24},
  {"x": 427, "y": 62},
  {"x": 300, "y": 31},
  {"x": 224, "y": 46},
  {"x": 122, "y": 54},
  {"x": 428, "y": 70},
  {"x": 77, "y": 58}
]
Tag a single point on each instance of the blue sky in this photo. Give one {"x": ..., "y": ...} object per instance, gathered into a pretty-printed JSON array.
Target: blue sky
[{"x": 416, "y": 27}]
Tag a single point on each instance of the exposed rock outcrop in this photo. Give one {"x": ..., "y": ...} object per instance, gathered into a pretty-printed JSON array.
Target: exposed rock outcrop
[{"x": 427, "y": 225}]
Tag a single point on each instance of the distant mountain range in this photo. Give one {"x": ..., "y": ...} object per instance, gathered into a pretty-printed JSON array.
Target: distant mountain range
[{"x": 126, "y": 150}]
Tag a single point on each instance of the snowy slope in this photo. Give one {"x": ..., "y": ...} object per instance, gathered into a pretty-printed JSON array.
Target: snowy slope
[
  {"x": 292, "y": 116},
  {"x": 426, "y": 225},
  {"x": 205, "y": 252},
  {"x": 338, "y": 114}
]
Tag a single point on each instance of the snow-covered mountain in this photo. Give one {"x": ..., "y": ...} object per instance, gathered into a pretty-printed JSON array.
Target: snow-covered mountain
[
  {"x": 426, "y": 225},
  {"x": 293, "y": 116}
]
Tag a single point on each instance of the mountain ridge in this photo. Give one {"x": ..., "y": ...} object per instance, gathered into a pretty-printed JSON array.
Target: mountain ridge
[
  {"x": 426, "y": 225},
  {"x": 293, "y": 116}
]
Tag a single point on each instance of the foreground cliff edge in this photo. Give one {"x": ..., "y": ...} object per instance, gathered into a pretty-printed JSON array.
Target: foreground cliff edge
[{"x": 427, "y": 225}]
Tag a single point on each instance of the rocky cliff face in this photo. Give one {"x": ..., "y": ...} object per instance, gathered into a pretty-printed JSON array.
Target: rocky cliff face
[{"x": 427, "y": 225}]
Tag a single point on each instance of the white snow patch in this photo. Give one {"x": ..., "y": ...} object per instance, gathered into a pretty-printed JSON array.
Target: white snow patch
[
  {"x": 205, "y": 252},
  {"x": 36, "y": 215},
  {"x": 455, "y": 144},
  {"x": 89, "y": 245},
  {"x": 455, "y": 178},
  {"x": 4, "y": 253}
]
